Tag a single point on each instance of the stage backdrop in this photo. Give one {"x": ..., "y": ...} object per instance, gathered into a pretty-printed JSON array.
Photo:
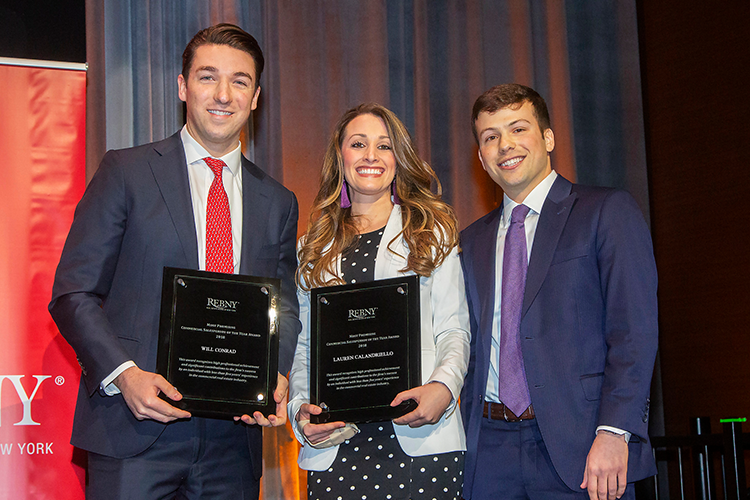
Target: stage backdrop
[{"x": 42, "y": 177}]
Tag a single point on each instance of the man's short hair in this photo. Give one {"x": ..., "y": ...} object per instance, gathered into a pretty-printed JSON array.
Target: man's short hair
[
  {"x": 224, "y": 34},
  {"x": 510, "y": 95}
]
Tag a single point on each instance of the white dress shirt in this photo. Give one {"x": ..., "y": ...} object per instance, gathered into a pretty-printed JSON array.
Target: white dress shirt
[{"x": 200, "y": 178}]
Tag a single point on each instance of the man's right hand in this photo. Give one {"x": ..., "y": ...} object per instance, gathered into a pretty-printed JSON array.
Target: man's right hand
[{"x": 141, "y": 391}]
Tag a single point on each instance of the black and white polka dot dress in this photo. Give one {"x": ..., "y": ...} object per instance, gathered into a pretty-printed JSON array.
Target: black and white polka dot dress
[
  {"x": 372, "y": 465},
  {"x": 358, "y": 263}
]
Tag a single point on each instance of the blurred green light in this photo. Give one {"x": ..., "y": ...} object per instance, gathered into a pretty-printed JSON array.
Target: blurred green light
[{"x": 725, "y": 420}]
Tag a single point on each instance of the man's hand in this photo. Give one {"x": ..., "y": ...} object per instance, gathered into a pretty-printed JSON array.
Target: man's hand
[
  {"x": 606, "y": 473},
  {"x": 141, "y": 392},
  {"x": 432, "y": 400},
  {"x": 279, "y": 395},
  {"x": 315, "y": 433}
]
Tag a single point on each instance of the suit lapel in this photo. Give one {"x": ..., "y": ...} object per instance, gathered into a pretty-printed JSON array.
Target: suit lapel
[
  {"x": 255, "y": 205},
  {"x": 484, "y": 271},
  {"x": 170, "y": 172},
  {"x": 555, "y": 213},
  {"x": 387, "y": 263}
]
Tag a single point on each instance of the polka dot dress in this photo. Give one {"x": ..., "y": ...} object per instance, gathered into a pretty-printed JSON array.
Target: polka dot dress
[
  {"x": 358, "y": 263},
  {"x": 372, "y": 464}
]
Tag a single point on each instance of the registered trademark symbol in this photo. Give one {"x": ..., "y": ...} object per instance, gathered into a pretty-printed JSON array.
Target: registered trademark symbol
[{"x": 59, "y": 380}]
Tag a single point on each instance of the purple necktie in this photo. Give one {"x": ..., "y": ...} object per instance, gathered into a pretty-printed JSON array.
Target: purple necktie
[{"x": 513, "y": 388}]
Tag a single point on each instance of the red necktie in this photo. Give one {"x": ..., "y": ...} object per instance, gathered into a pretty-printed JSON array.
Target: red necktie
[{"x": 218, "y": 223}]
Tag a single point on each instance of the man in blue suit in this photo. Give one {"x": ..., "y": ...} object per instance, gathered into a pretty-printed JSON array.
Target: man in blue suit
[
  {"x": 147, "y": 208},
  {"x": 564, "y": 336}
]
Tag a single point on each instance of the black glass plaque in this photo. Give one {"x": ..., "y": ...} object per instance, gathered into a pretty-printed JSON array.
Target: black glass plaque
[
  {"x": 218, "y": 341},
  {"x": 365, "y": 349}
]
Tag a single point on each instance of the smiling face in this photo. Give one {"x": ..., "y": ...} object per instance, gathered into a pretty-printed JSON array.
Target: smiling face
[
  {"x": 513, "y": 149},
  {"x": 369, "y": 162},
  {"x": 220, "y": 92}
]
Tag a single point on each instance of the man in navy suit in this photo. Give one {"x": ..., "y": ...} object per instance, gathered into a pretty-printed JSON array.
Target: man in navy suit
[
  {"x": 147, "y": 208},
  {"x": 577, "y": 354}
]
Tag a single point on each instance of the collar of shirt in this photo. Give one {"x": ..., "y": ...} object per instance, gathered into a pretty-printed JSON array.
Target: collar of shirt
[
  {"x": 194, "y": 152},
  {"x": 534, "y": 200}
]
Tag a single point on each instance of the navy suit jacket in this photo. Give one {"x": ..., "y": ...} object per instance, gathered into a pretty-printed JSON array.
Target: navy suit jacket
[
  {"x": 135, "y": 218},
  {"x": 588, "y": 325}
]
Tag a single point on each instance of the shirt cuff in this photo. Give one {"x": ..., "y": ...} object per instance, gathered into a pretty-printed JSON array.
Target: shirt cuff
[
  {"x": 108, "y": 384},
  {"x": 614, "y": 430}
]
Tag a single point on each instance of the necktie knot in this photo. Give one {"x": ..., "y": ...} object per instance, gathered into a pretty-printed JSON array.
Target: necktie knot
[
  {"x": 519, "y": 214},
  {"x": 215, "y": 165}
]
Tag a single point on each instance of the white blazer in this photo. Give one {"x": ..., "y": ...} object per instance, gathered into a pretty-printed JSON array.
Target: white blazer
[{"x": 445, "y": 351}]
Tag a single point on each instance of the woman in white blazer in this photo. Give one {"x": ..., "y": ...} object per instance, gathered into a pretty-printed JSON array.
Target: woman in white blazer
[{"x": 375, "y": 217}]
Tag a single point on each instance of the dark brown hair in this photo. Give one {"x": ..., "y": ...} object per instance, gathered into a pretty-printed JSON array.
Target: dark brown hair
[
  {"x": 224, "y": 34},
  {"x": 510, "y": 95}
]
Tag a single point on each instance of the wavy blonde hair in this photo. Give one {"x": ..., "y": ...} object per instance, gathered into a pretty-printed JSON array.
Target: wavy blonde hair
[{"x": 429, "y": 224}]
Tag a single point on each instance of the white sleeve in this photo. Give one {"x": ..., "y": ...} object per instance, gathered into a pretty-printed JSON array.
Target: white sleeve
[
  {"x": 299, "y": 376},
  {"x": 450, "y": 323}
]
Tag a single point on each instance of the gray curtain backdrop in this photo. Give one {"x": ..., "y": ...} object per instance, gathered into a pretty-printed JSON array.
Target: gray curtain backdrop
[{"x": 426, "y": 60}]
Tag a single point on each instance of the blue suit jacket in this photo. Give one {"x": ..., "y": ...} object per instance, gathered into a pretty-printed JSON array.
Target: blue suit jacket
[
  {"x": 588, "y": 325},
  {"x": 135, "y": 218}
]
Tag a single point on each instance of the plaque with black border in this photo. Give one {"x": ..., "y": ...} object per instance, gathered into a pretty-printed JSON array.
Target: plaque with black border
[
  {"x": 365, "y": 349},
  {"x": 219, "y": 342}
]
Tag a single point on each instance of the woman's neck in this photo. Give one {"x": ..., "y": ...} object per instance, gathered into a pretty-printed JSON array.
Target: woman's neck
[{"x": 371, "y": 216}]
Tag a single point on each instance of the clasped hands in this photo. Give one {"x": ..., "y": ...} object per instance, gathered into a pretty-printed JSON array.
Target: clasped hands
[
  {"x": 141, "y": 390},
  {"x": 432, "y": 399}
]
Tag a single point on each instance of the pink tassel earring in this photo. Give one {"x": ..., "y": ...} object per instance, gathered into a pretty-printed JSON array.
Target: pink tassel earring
[
  {"x": 396, "y": 199},
  {"x": 345, "y": 202}
]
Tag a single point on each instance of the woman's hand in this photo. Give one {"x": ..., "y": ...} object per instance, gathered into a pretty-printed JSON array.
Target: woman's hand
[
  {"x": 315, "y": 433},
  {"x": 280, "y": 396},
  {"x": 432, "y": 400}
]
